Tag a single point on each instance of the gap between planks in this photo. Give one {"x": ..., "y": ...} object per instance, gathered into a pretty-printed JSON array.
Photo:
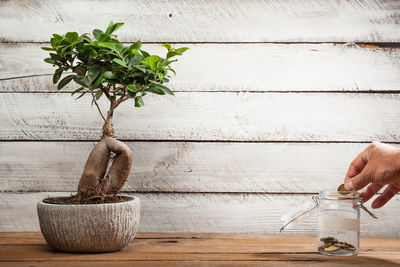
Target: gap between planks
[
  {"x": 361, "y": 44},
  {"x": 223, "y": 20},
  {"x": 216, "y": 91},
  {"x": 198, "y": 141}
]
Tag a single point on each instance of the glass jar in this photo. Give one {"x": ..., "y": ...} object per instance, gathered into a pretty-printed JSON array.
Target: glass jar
[{"x": 339, "y": 223}]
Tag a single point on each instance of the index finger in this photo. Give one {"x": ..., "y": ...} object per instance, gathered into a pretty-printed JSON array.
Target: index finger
[{"x": 356, "y": 166}]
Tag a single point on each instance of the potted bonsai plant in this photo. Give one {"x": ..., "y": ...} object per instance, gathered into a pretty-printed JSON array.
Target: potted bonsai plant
[{"x": 96, "y": 218}]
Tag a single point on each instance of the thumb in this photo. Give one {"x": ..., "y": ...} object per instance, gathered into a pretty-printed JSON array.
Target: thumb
[{"x": 359, "y": 181}]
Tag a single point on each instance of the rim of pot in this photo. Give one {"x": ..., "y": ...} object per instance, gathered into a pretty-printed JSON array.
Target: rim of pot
[{"x": 131, "y": 198}]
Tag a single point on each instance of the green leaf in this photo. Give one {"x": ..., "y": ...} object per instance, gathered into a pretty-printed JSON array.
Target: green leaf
[
  {"x": 117, "y": 26},
  {"x": 137, "y": 45},
  {"x": 141, "y": 69},
  {"x": 144, "y": 53},
  {"x": 168, "y": 46},
  {"x": 164, "y": 88},
  {"x": 108, "y": 75},
  {"x": 135, "y": 60},
  {"x": 49, "y": 60},
  {"x": 182, "y": 49},
  {"x": 77, "y": 90},
  {"x": 48, "y": 48},
  {"x": 104, "y": 38},
  {"x": 57, "y": 75},
  {"x": 57, "y": 36},
  {"x": 65, "y": 81},
  {"x": 125, "y": 52},
  {"x": 71, "y": 36},
  {"x": 131, "y": 88},
  {"x": 153, "y": 60},
  {"x": 98, "y": 94},
  {"x": 135, "y": 52},
  {"x": 97, "y": 33},
  {"x": 172, "y": 54},
  {"x": 82, "y": 80},
  {"x": 80, "y": 70},
  {"x": 108, "y": 45},
  {"x": 55, "y": 41},
  {"x": 138, "y": 101},
  {"x": 112, "y": 27},
  {"x": 55, "y": 57},
  {"x": 85, "y": 36},
  {"x": 113, "y": 46},
  {"x": 71, "y": 45},
  {"x": 155, "y": 90},
  {"x": 131, "y": 94},
  {"x": 80, "y": 96},
  {"x": 109, "y": 28},
  {"x": 94, "y": 72},
  {"x": 96, "y": 83},
  {"x": 120, "y": 62},
  {"x": 111, "y": 81},
  {"x": 172, "y": 70}
]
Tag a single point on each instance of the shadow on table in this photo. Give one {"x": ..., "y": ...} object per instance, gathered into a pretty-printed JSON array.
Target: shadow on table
[{"x": 316, "y": 259}]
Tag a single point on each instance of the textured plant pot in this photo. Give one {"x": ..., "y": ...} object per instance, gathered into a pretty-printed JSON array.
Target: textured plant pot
[{"x": 89, "y": 228}]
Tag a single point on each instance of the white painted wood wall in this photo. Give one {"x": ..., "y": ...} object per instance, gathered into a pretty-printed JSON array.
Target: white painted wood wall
[{"x": 270, "y": 108}]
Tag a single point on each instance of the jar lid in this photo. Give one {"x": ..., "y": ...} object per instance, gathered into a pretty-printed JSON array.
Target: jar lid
[{"x": 335, "y": 195}]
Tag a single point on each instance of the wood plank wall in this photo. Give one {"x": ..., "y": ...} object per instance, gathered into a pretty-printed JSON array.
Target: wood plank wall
[{"x": 271, "y": 106}]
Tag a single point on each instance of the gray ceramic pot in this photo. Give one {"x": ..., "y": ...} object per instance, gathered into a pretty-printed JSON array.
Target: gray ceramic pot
[{"x": 89, "y": 228}]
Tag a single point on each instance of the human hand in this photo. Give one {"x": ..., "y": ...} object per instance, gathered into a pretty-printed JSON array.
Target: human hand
[{"x": 376, "y": 166}]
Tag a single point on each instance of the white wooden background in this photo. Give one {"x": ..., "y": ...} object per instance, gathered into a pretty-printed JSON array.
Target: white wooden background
[{"x": 271, "y": 107}]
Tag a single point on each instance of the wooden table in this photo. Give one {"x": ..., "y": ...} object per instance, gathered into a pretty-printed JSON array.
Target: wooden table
[{"x": 177, "y": 249}]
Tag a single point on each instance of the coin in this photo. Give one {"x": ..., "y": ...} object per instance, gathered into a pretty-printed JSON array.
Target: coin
[
  {"x": 327, "y": 239},
  {"x": 341, "y": 190},
  {"x": 350, "y": 245},
  {"x": 332, "y": 244},
  {"x": 331, "y": 248},
  {"x": 324, "y": 246},
  {"x": 341, "y": 245}
]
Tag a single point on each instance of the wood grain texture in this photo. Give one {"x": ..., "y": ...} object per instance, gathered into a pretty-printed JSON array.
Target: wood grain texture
[
  {"x": 199, "y": 250},
  {"x": 236, "y": 67},
  {"x": 184, "y": 166},
  {"x": 207, "y": 116},
  {"x": 185, "y": 212},
  {"x": 210, "y": 21},
  {"x": 201, "y": 259},
  {"x": 260, "y": 250},
  {"x": 367, "y": 261},
  {"x": 159, "y": 241}
]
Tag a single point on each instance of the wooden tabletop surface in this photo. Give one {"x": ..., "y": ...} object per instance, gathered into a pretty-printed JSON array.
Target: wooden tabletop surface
[{"x": 179, "y": 249}]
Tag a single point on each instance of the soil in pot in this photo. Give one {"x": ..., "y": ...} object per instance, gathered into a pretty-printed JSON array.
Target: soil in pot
[{"x": 74, "y": 200}]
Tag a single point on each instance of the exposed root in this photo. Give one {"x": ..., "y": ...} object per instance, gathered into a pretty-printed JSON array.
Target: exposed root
[
  {"x": 92, "y": 183},
  {"x": 94, "y": 171},
  {"x": 120, "y": 168}
]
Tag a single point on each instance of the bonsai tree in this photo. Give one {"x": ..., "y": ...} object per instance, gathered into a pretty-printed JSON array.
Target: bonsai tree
[{"x": 104, "y": 67}]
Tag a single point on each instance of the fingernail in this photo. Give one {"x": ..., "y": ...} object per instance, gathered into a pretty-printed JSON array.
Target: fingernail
[{"x": 349, "y": 185}]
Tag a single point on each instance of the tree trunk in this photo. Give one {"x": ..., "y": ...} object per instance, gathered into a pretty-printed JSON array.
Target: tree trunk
[{"x": 94, "y": 181}]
